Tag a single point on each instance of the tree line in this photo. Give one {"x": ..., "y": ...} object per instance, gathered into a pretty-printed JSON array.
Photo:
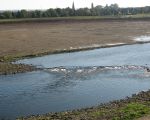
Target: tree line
[{"x": 108, "y": 10}]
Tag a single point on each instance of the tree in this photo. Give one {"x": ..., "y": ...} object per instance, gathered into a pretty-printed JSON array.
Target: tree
[
  {"x": 83, "y": 12},
  {"x": 73, "y": 9},
  {"x": 23, "y": 14},
  {"x": 65, "y": 12},
  {"x": 7, "y": 15},
  {"x": 51, "y": 13},
  {"x": 92, "y": 6},
  {"x": 114, "y": 9},
  {"x": 59, "y": 12},
  {"x": 99, "y": 10},
  {"x": 73, "y": 6},
  {"x": 93, "y": 13}
]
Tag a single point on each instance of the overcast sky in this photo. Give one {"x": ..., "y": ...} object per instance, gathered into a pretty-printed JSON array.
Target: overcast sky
[{"x": 45, "y": 4}]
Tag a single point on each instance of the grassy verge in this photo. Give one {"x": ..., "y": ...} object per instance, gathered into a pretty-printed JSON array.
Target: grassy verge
[
  {"x": 126, "y": 109},
  {"x": 55, "y": 19}
]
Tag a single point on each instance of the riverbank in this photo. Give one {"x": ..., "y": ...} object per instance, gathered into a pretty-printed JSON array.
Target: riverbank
[
  {"x": 30, "y": 39},
  {"x": 126, "y": 109},
  {"x": 27, "y": 39},
  {"x": 9, "y": 68}
]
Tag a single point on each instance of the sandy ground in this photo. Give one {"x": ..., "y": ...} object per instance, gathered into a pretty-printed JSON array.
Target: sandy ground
[{"x": 33, "y": 38}]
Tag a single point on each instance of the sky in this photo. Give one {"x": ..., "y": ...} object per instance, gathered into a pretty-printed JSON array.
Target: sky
[{"x": 45, "y": 4}]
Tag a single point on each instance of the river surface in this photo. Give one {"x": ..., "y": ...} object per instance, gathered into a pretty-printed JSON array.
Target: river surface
[
  {"x": 75, "y": 80},
  {"x": 138, "y": 54}
]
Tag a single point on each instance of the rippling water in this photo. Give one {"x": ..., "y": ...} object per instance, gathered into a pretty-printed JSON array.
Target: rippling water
[{"x": 75, "y": 80}]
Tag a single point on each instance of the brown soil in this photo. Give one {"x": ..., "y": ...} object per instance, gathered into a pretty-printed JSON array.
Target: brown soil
[{"x": 21, "y": 39}]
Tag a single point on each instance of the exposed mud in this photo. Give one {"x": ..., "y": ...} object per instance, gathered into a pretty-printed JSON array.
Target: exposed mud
[
  {"x": 9, "y": 68},
  {"x": 27, "y": 39}
]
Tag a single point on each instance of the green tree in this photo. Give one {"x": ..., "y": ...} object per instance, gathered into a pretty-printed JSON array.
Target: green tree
[
  {"x": 59, "y": 12},
  {"x": 7, "y": 15},
  {"x": 51, "y": 13},
  {"x": 93, "y": 13},
  {"x": 98, "y": 10},
  {"x": 73, "y": 9},
  {"x": 23, "y": 14}
]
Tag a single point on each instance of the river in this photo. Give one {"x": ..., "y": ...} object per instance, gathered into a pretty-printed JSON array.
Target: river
[{"x": 75, "y": 80}]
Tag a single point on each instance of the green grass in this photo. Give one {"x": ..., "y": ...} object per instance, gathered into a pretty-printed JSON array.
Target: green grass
[
  {"x": 130, "y": 111},
  {"x": 73, "y": 18},
  {"x": 133, "y": 111},
  {"x": 54, "y": 18}
]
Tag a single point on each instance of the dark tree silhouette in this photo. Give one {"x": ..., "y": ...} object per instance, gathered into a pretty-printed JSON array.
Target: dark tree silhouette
[{"x": 111, "y": 10}]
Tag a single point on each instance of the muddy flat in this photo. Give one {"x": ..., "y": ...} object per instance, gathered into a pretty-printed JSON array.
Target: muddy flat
[{"x": 32, "y": 38}]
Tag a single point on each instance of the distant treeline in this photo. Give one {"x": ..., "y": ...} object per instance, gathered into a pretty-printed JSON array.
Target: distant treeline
[{"x": 111, "y": 10}]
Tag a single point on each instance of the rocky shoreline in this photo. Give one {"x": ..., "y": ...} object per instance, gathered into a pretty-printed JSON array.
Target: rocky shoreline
[
  {"x": 9, "y": 68},
  {"x": 125, "y": 109}
]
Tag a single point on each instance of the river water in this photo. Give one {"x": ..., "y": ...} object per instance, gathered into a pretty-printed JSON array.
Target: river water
[
  {"x": 124, "y": 55},
  {"x": 75, "y": 80}
]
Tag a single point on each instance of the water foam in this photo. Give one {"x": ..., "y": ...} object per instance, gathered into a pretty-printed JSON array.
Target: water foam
[
  {"x": 78, "y": 70},
  {"x": 143, "y": 38}
]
